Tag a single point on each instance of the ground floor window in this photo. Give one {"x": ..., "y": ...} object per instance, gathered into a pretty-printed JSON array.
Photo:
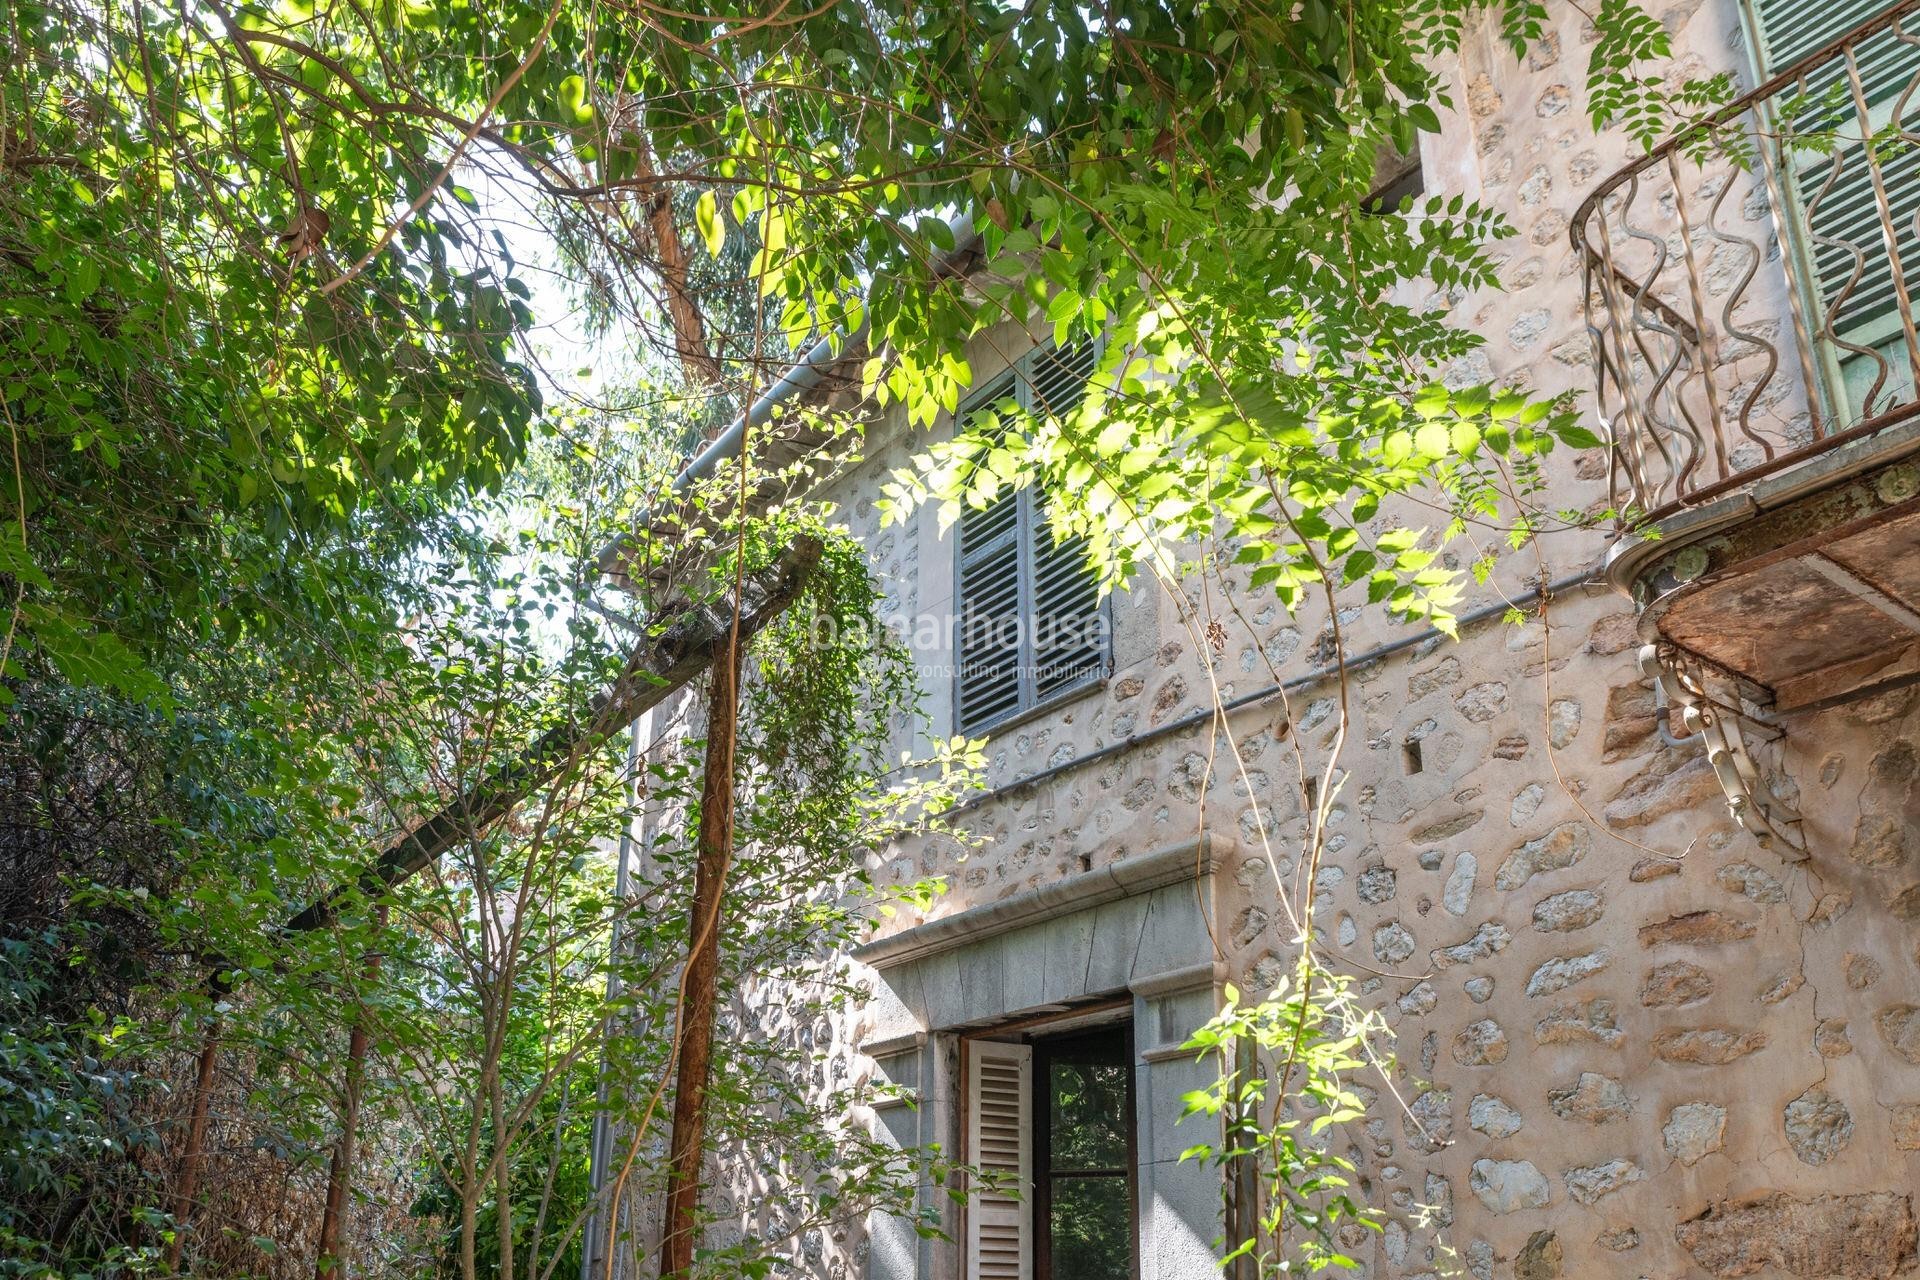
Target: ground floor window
[{"x": 1051, "y": 1117}]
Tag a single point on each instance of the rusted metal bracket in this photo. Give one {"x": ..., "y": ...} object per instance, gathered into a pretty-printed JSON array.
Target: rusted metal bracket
[{"x": 1750, "y": 799}]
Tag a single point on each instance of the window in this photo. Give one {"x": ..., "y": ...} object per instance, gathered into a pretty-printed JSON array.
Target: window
[
  {"x": 1845, "y": 240},
  {"x": 1396, "y": 178},
  {"x": 1031, "y": 627},
  {"x": 1055, "y": 1118}
]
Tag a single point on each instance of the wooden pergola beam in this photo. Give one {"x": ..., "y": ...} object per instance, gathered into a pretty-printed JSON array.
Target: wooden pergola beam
[{"x": 658, "y": 668}]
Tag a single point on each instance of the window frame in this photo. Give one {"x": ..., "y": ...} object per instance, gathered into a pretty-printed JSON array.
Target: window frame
[
  {"x": 1029, "y": 525},
  {"x": 1837, "y": 388},
  {"x": 1045, "y": 1049}
]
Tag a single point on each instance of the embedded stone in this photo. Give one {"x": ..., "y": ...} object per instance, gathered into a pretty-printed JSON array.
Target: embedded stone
[
  {"x": 1482, "y": 702},
  {"x": 1829, "y": 909},
  {"x": 1508, "y": 1186},
  {"x": 1594, "y": 1098},
  {"x": 1248, "y": 925},
  {"x": 1696, "y": 929},
  {"x": 1560, "y": 848},
  {"x": 1392, "y": 943},
  {"x": 1618, "y": 1239},
  {"x": 1563, "y": 723},
  {"x": 1482, "y": 1044},
  {"x": 1526, "y": 803},
  {"x": 1819, "y": 1126},
  {"x": 1899, "y": 1026},
  {"x": 1169, "y": 696},
  {"x": 1443, "y": 673},
  {"x": 1539, "y": 1258},
  {"x": 1653, "y": 869},
  {"x": 1830, "y": 1038},
  {"x": 1376, "y": 884},
  {"x": 1615, "y": 633},
  {"x": 1566, "y": 912},
  {"x": 1674, "y": 985},
  {"x": 1750, "y": 881},
  {"x": 1447, "y": 829},
  {"x": 1868, "y": 1236},
  {"x": 1420, "y": 1000},
  {"x": 1530, "y": 326},
  {"x": 1674, "y": 781},
  {"x": 1906, "y": 1126},
  {"x": 1881, "y": 841},
  {"x": 1492, "y": 1116},
  {"x": 1430, "y": 859},
  {"x": 1562, "y": 972},
  {"x": 1439, "y": 1192},
  {"x": 1862, "y": 971},
  {"x": 1458, "y": 893},
  {"x": 1905, "y": 905},
  {"x": 1896, "y": 768},
  {"x": 1591, "y": 1022},
  {"x": 1694, "y": 1131},
  {"x": 1590, "y": 1183},
  {"x": 1428, "y": 1122},
  {"x": 1707, "y": 1046},
  {"x": 1488, "y": 939},
  {"x": 1479, "y": 989},
  {"x": 1394, "y": 1240},
  {"x": 1631, "y": 717},
  {"x": 1782, "y": 987},
  {"x": 1511, "y": 747}
]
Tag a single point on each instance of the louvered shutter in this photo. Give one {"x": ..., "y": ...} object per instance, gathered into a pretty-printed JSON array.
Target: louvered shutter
[
  {"x": 1030, "y": 621},
  {"x": 988, "y": 647},
  {"x": 1000, "y": 1140},
  {"x": 1792, "y": 29},
  {"x": 1066, "y": 629},
  {"x": 1835, "y": 191},
  {"x": 1055, "y": 380}
]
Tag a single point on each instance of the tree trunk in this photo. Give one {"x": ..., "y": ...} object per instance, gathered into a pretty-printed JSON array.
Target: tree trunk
[
  {"x": 670, "y": 254},
  {"x": 189, "y": 1183},
  {"x": 701, "y": 984},
  {"x": 340, "y": 1174}
]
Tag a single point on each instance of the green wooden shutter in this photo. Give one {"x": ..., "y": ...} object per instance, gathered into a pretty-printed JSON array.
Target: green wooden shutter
[
  {"x": 1846, "y": 242},
  {"x": 1066, "y": 624},
  {"x": 1031, "y": 625},
  {"x": 988, "y": 597},
  {"x": 1791, "y": 29}
]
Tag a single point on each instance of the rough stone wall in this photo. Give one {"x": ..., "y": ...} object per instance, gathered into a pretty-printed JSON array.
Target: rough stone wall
[{"x": 1635, "y": 1043}]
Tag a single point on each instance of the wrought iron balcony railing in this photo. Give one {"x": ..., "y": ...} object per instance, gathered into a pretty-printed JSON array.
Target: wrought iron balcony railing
[{"x": 1750, "y": 283}]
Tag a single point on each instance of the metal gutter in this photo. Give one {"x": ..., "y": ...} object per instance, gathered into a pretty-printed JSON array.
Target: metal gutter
[{"x": 801, "y": 377}]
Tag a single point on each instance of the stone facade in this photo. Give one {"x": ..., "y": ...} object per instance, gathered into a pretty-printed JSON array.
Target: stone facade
[{"x": 1632, "y": 1041}]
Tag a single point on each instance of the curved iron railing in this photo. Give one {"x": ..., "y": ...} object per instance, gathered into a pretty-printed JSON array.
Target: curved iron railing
[{"x": 1750, "y": 282}]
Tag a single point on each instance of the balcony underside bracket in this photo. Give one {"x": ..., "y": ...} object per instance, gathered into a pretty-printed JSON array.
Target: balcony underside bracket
[{"x": 1723, "y": 727}]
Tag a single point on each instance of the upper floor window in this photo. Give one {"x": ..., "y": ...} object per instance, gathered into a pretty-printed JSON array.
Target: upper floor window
[
  {"x": 1396, "y": 179},
  {"x": 1031, "y": 627},
  {"x": 1861, "y": 244}
]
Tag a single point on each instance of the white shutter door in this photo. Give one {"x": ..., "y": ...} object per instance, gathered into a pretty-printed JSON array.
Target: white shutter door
[{"x": 1000, "y": 1140}]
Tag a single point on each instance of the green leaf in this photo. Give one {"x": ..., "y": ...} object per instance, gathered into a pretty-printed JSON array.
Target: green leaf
[
  {"x": 1579, "y": 437},
  {"x": 83, "y": 277},
  {"x": 706, "y": 216},
  {"x": 574, "y": 102}
]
